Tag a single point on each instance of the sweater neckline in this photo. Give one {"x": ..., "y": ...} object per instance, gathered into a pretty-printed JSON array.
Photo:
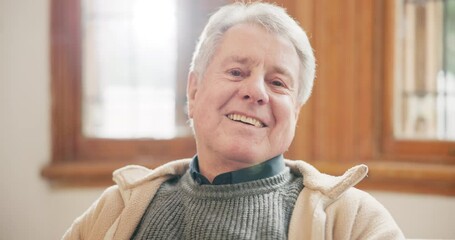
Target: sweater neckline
[{"x": 256, "y": 187}]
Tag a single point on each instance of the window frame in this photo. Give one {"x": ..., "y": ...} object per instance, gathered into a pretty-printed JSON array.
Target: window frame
[
  {"x": 76, "y": 159},
  {"x": 440, "y": 152}
]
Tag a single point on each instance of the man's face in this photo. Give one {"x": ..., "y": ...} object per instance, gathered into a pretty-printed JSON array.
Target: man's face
[{"x": 244, "y": 108}]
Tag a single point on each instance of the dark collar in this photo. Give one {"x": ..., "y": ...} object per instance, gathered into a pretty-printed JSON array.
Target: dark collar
[{"x": 265, "y": 169}]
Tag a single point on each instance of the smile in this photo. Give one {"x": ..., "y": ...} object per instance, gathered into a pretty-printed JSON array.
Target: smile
[{"x": 245, "y": 119}]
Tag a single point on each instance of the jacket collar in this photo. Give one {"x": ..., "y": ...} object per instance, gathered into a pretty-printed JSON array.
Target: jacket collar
[{"x": 332, "y": 186}]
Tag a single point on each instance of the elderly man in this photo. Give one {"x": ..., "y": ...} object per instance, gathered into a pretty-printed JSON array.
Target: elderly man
[{"x": 252, "y": 70}]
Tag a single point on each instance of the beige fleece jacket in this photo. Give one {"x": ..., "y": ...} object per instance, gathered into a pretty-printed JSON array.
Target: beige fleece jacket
[{"x": 327, "y": 208}]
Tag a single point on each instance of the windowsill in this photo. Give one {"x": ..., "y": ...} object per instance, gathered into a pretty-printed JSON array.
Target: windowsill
[
  {"x": 401, "y": 177},
  {"x": 388, "y": 176},
  {"x": 88, "y": 173}
]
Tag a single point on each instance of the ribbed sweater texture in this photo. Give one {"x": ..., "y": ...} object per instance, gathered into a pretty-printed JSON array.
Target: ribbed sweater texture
[{"x": 183, "y": 209}]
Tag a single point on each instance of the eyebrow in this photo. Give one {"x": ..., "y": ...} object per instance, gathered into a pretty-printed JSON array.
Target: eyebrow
[
  {"x": 238, "y": 59},
  {"x": 283, "y": 71}
]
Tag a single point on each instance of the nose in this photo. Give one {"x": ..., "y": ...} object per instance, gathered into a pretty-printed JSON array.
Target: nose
[{"x": 254, "y": 89}]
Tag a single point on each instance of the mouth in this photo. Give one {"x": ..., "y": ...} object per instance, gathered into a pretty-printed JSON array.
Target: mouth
[{"x": 246, "y": 120}]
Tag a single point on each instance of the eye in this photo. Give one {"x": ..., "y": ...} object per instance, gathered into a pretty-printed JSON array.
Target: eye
[
  {"x": 235, "y": 72},
  {"x": 277, "y": 83}
]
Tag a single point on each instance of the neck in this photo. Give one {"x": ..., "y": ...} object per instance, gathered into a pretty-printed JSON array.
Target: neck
[{"x": 211, "y": 167}]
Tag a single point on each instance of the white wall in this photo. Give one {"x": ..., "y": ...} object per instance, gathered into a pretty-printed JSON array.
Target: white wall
[
  {"x": 30, "y": 209},
  {"x": 421, "y": 216}
]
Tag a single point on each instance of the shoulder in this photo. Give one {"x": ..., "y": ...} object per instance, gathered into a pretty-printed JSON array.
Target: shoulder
[
  {"x": 356, "y": 199},
  {"x": 134, "y": 184},
  {"x": 131, "y": 179},
  {"x": 364, "y": 215}
]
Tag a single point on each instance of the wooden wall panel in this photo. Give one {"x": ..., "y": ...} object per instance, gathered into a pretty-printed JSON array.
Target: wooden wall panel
[
  {"x": 336, "y": 124},
  {"x": 366, "y": 91},
  {"x": 303, "y": 144}
]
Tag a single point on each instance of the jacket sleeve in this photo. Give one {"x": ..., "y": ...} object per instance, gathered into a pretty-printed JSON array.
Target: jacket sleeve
[
  {"x": 95, "y": 221},
  {"x": 357, "y": 215}
]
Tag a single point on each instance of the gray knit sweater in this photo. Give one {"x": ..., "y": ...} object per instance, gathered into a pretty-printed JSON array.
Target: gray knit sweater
[{"x": 259, "y": 209}]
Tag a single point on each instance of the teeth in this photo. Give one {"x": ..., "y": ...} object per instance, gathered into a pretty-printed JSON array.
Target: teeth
[{"x": 245, "y": 119}]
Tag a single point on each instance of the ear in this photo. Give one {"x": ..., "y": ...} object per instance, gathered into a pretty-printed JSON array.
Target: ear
[{"x": 191, "y": 90}]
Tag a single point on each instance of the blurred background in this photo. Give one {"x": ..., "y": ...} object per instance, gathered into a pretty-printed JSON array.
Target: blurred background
[{"x": 51, "y": 171}]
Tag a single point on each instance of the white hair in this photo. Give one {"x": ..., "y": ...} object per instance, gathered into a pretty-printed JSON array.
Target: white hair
[{"x": 274, "y": 19}]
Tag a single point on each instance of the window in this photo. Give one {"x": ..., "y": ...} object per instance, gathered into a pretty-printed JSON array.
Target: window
[
  {"x": 418, "y": 116},
  {"x": 129, "y": 71},
  {"x": 119, "y": 71},
  {"x": 425, "y": 77}
]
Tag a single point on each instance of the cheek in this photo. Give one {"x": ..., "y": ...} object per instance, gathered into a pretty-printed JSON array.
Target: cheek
[
  {"x": 285, "y": 110},
  {"x": 206, "y": 107},
  {"x": 285, "y": 114}
]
